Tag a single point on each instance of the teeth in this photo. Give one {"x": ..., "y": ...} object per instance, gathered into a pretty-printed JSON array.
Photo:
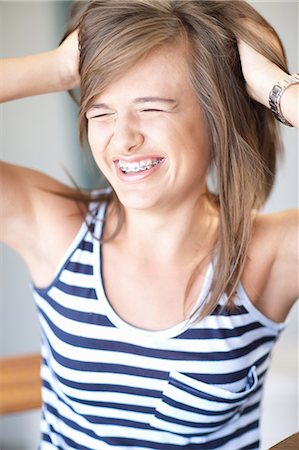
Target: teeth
[{"x": 137, "y": 167}]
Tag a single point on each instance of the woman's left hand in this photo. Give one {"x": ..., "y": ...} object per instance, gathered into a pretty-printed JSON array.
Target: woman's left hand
[
  {"x": 259, "y": 72},
  {"x": 261, "y": 75}
]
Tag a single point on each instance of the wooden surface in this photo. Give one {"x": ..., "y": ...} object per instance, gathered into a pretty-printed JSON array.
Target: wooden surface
[
  {"x": 20, "y": 385},
  {"x": 291, "y": 443}
]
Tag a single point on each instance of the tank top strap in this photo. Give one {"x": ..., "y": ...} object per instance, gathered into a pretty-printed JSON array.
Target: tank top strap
[{"x": 95, "y": 216}]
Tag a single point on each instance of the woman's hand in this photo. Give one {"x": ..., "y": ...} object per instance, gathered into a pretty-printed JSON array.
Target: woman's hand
[
  {"x": 52, "y": 71},
  {"x": 259, "y": 72},
  {"x": 261, "y": 75},
  {"x": 68, "y": 56}
]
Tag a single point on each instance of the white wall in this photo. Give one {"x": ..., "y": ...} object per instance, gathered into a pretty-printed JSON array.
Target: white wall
[{"x": 39, "y": 132}]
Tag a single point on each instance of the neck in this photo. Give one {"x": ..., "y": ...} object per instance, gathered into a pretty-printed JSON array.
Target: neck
[{"x": 179, "y": 233}]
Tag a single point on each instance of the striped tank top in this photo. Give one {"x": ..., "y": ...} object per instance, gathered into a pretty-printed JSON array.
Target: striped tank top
[{"x": 109, "y": 385}]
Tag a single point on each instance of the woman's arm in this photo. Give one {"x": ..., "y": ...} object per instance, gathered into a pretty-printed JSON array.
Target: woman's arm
[
  {"x": 56, "y": 70},
  {"x": 26, "y": 203},
  {"x": 261, "y": 75}
]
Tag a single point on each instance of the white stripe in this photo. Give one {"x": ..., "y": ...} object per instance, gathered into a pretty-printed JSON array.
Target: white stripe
[
  {"x": 82, "y": 256},
  {"x": 83, "y": 409},
  {"x": 245, "y": 440},
  {"x": 47, "y": 446},
  {"x": 230, "y": 322},
  {"x": 80, "y": 279},
  {"x": 109, "y": 378},
  {"x": 72, "y": 302},
  {"x": 113, "y": 397},
  {"x": 231, "y": 428}
]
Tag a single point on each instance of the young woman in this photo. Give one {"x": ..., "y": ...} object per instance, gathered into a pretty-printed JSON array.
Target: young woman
[{"x": 160, "y": 307}]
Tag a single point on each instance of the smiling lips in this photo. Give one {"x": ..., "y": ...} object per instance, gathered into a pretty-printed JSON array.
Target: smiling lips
[{"x": 129, "y": 168}]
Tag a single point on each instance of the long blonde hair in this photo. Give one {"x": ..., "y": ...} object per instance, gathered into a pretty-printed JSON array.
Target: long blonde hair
[{"x": 115, "y": 34}]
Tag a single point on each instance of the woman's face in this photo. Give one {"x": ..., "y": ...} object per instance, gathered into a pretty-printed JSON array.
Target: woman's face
[{"x": 148, "y": 136}]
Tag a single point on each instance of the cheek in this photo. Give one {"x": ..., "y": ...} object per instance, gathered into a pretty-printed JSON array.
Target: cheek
[
  {"x": 98, "y": 140},
  {"x": 94, "y": 136},
  {"x": 91, "y": 136}
]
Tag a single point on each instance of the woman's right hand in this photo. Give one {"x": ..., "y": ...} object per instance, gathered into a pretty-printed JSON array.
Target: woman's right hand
[
  {"x": 68, "y": 54},
  {"x": 52, "y": 71}
]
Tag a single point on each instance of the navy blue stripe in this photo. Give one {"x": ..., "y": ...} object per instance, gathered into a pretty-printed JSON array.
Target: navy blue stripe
[
  {"x": 78, "y": 316},
  {"x": 218, "y": 442},
  {"x": 76, "y": 290},
  {"x": 117, "y": 422},
  {"x": 84, "y": 366},
  {"x": 220, "y": 310},
  {"x": 94, "y": 419},
  {"x": 210, "y": 424},
  {"x": 120, "y": 406},
  {"x": 91, "y": 226},
  {"x": 132, "y": 349},
  {"x": 226, "y": 378},
  {"x": 86, "y": 431},
  {"x": 111, "y": 388},
  {"x": 86, "y": 246},
  {"x": 254, "y": 446},
  {"x": 212, "y": 445},
  {"x": 46, "y": 438},
  {"x": 219, "y": 333},
  {"x": 196, "y": 425},
  {"x": 52, "y": 429},
  {"x": 206, "y": 395},
  {"x": 221, "y": 378},
  {"x": 195, "y": 409},
  {"x": 77, "y": 267},
  {"x": 73, "y": 445},
  {"x": 250, "y": 408}
]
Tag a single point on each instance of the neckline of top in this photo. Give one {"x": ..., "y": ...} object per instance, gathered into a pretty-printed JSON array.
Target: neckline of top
[{"x": 115, "y": 319}]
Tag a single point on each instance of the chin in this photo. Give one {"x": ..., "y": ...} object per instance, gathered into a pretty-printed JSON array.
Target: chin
[{"x": 138, "y": 200}]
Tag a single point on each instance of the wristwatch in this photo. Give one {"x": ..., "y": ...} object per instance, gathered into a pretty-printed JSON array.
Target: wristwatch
[{"x": 276, "y": 93}]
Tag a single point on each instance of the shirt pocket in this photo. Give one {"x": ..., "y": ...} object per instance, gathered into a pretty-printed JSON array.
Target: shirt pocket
[{"x": 190, "y": 407}]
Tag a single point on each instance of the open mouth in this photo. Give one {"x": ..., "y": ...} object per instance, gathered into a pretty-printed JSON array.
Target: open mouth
[{"x": 137, "y": 167}]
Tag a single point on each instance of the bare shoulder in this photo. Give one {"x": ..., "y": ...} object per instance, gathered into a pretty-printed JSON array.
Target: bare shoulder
[
  {"x": 41, "y": 217},
  {"x": 278, "y": 232},
  {"x": 270, "y": 277}
]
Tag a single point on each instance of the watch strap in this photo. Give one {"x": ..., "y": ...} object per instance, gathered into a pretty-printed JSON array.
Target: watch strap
[{"x": 276, "y": 94}]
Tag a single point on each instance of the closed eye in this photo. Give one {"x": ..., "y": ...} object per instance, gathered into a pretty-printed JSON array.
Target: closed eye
[
  {"x": 152, "y": 110},
  {"x": 100, "y": 116}
]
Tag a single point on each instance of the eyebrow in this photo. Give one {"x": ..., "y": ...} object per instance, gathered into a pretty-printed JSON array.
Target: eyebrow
[
  {"x": 137, "y": 101},
  {"x": 154, "y": 99}
]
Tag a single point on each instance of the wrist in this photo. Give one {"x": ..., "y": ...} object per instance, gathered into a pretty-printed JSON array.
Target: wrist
[
  {"x": 283, "y": 98},
  {"x": 67, "y": 72},
  {"x": 264, "y": 82}
]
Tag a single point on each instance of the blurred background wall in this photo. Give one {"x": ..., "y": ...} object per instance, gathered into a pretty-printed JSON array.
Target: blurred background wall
[{"x": 40, "y": 132}]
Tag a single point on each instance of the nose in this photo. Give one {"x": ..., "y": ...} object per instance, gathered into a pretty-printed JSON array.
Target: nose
[{"x": 126, "y": 137}]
